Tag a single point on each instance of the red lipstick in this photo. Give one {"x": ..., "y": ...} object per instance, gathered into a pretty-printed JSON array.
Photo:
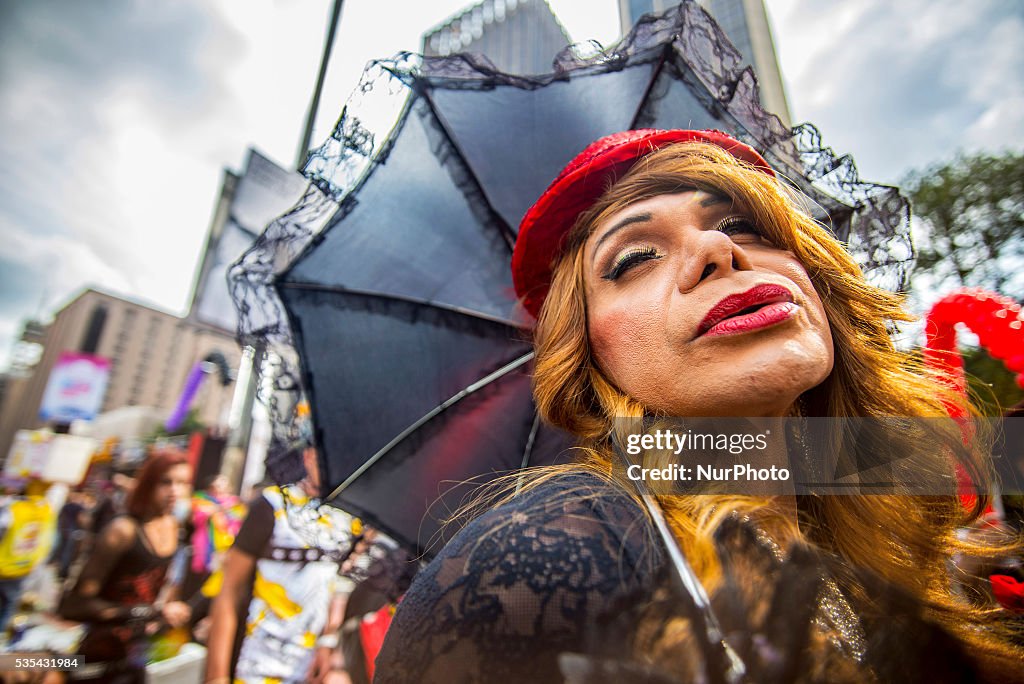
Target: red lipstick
[{"x": 758, "y": 307}]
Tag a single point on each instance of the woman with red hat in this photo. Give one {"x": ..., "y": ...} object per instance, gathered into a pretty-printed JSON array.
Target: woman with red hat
[{"x": 673, "y": 275}]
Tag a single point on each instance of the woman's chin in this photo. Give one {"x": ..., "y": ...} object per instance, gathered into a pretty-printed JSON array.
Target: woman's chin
[{"x": 768, "y": 388}]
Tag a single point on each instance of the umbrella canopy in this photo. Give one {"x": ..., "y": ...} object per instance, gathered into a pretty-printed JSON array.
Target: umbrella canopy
[{"x": 414, "y": 354}]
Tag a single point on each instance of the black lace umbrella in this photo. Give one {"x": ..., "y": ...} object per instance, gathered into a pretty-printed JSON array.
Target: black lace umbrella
[{"x": 414, "y": 355}]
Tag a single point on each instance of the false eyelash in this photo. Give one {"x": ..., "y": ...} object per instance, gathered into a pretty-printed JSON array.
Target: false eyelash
[
  {"x": 628, "y": 259},
  {"x": 737, "y": 225}
]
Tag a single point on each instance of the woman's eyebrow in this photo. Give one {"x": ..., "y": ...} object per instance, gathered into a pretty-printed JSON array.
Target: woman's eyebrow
[
  {"x": 619, "y": 225},
  {"x": 713, "y": 199}
]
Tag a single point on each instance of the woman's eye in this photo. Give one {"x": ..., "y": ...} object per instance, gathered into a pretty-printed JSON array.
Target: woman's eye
[
  {"x": 629, "y": 259},
  {"x": 738, "y": 225}
]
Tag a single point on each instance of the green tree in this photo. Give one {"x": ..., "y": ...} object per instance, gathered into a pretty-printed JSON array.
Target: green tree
[
  {"x": 188, "y": 426},
  {"x": 990, "y": 382},
  {"x": 972, "y": 214},
  {"x": 971, "y": 233}
]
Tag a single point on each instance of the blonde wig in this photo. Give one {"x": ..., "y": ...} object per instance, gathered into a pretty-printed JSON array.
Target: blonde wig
[{"x": 907, "y": 540}]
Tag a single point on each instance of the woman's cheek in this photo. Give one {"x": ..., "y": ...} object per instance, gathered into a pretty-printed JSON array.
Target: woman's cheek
[{"x": 620, "y": 342}]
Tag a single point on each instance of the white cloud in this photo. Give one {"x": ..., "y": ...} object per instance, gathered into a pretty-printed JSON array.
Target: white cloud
[
  {"x": 67, "y": 263},
  {"x": 902, "y": 85}
]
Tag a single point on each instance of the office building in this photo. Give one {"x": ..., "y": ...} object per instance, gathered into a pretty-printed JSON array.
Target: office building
[
  {"x": 247, "y": 202},
  {"x": 150, "y": 353},
  {"x": 745, "y": 22},
  {"x": 517, "y": 36}
]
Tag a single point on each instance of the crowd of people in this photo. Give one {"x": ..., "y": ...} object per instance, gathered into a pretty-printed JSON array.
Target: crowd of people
[{"x": 142, "y": 566}]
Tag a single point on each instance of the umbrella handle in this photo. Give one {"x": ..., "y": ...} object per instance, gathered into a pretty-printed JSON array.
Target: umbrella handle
[
  {"x": 688, "y": 583},
  {"x": 528, "y": 451}
]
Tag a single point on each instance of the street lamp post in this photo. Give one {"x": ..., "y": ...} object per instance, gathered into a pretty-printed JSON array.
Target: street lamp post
[{"x": 314, "y": 103}]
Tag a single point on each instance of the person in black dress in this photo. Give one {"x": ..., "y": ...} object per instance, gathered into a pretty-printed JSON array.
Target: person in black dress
[
  {"x": 673, "y": 275},
  {"x": 118, "y": 592}
]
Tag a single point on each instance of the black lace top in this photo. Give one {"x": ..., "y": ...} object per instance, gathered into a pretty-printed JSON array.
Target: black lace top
[{"x": 520, "y": 585}]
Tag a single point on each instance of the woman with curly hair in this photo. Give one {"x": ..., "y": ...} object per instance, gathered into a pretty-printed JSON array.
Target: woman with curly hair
[{"x": 675, "y": 277}]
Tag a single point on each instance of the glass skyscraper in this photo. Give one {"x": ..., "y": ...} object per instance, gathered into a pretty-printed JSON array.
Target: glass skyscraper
[
  {"x": 745, "y": 22},
  {"x": 517, "y": 36}
]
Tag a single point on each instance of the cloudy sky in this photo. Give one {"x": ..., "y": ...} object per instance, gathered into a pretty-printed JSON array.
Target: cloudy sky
[{"x": 119, "y": 116}]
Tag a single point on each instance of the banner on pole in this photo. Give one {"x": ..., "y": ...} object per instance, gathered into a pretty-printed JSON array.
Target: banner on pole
[{"x": 76, "y": 387}]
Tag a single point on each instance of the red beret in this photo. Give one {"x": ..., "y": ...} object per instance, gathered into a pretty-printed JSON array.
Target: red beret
[{"x": 544, "y": 228}]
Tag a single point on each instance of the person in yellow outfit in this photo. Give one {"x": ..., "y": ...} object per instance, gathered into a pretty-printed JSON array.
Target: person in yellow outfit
[
  {"x": 28, "y": 527},
  {"x": 290, "y": 581}
]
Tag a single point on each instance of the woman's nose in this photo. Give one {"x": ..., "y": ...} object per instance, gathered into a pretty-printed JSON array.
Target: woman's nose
[{"x": 712, "y": 254}]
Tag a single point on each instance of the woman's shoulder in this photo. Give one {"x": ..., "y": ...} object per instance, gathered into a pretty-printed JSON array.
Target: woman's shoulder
[
  {"x": 521, "y": 583},
  {"x": 578, "y": 517},
  {"x": 121, "y": 530},
  {"x": 579, "y": 510}
]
